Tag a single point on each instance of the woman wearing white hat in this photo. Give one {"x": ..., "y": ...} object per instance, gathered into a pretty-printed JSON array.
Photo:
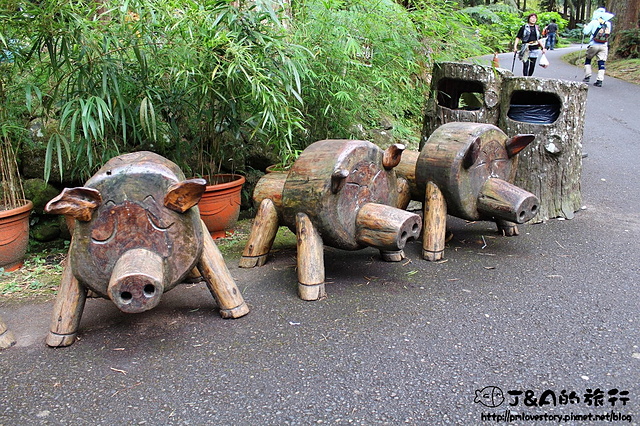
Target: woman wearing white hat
[{"x": 599, "y": 29}]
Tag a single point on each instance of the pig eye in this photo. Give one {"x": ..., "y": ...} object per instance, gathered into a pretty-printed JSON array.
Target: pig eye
[
  {"x": 154, "y": 214},
  {"x": 106, "y": 225}
]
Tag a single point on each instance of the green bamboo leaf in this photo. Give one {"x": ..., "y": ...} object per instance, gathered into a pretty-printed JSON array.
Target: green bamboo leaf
[
  {"x": 48, "y": 158},
  {"x": 74, "y": 122}
]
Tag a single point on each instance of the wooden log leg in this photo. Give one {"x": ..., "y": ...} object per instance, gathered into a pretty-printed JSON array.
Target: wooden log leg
[
  {"x": 67, "y": 310},
  {"x": 392, "y": 256},
  {"x": 193, "y": 276},
  {"x": 219, "y": 280},
  {"x": 310, "y": 260},
  {"x": 263, "y": 232},
  {"x": 435, "y": 223},
  {"x": 507, "y": 228},
  {"x": 6, "y": 337}
]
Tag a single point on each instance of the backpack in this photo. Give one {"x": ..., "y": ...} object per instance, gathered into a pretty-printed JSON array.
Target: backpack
[{"x": 601, "y": 36}]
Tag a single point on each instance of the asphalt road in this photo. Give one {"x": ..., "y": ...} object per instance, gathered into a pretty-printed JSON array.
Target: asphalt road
[{"x": 554, "y": 309}]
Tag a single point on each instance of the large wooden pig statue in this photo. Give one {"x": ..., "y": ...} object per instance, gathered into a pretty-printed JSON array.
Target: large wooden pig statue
[
  {"x": 137, "y": 235},
  {"x": 465, "y": 169},
  {"x": 341, "y": 193}
]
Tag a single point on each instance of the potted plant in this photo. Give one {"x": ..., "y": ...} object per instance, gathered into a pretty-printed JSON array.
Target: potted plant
[
  {"x": 14, "y": 210},
  {"x": 220, "y": 203}
]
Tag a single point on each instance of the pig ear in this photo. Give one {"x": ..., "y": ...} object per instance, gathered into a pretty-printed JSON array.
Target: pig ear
[
  {"x": 392, "y": 156},
  {"x": 471, "y": 155},
  {"x": 338, "y": 179},
  {"x": 517, "y": 143},
  {"x": 183, "y": 195},
  {"x": 78, "y": 203}
]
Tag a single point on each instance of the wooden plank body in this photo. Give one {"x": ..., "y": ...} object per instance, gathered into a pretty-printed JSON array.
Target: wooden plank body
[
  {"x": 270, "y": 186},
  {"x": 473, "y": 165},
  {"x": 330, "y": 181},
  {"x": 342, "y": 193}
]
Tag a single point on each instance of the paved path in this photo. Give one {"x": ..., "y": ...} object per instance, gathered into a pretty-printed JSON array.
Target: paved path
[{"x": 557, "y": 308}]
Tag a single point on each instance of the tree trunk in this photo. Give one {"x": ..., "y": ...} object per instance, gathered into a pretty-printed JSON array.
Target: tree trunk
[
  {"x": 551, "y": 166},
  {"x": 627, "y": 15}
]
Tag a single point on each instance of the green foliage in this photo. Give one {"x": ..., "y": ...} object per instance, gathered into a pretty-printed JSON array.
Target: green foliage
[
  {"x": 361, "y": 69},
  {"x": 12, "y": 133},
  {"x": 574, "y": 35},
  {"x": 628, "y": 43},
  {"x": 39, "y": 276},
  {"x": 182, "y": 78},
  {"x": 202, "y": 81},
  {"x": 448, "y": 33},
  {"x": 544, "y": 18},
  {"x": 371, "y": 60},
  {"x": 497, "y": 25}
]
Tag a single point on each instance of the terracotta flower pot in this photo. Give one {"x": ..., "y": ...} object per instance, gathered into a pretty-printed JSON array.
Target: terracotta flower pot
[
  {"x": 277, "y": 168},
  {"x": 14, "y": 236},
  {"x": 220, "y": 204}
]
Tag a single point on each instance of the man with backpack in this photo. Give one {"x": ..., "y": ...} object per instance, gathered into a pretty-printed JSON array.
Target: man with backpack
[
  {"x": 550, "y": 31},
  {"x": 599, "y": 30}
]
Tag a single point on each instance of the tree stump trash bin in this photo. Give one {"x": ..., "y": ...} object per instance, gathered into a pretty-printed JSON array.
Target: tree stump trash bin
[
  {"x": 463, "y": 92},
  {"x": 551, "y": 166}
]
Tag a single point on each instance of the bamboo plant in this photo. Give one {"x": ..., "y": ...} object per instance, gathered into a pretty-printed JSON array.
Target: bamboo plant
[{"x": 12, "y": 191}]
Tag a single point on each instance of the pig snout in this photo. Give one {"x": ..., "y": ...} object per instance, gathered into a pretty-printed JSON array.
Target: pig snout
[
  {"x": 503, "y": 200},
  {"x": 136, "y": 283}
]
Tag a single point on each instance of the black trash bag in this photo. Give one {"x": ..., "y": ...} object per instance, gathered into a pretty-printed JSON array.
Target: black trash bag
[{"x": 540, "y": 114}]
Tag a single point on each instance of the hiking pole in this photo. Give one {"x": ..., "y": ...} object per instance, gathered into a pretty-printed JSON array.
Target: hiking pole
[
  {"x": 581, "y": 43},
  {"x": 513, "y": 64}
]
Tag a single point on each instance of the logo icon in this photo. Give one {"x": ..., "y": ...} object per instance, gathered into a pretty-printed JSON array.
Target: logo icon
[{"x": 491, "y": 396}]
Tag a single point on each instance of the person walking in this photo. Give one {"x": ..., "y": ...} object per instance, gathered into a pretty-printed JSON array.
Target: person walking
[
  {"x": 552, "y": 29},
  {"x": 529, "y": 34},
  {"x": 599, "y": 30}
]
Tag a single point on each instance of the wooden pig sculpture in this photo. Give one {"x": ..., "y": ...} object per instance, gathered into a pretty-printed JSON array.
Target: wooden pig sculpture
[
  {"x": 465, "y": 169},
  {"x": 6, "y": 336},
  {"x": 138, "y": 233},
  {"x": 340, "y": 193}
]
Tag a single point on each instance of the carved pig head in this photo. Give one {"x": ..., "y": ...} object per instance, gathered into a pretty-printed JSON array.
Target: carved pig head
[
  {"x": 137, "y": 232},
  {"x": 473, "y": 165}
]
